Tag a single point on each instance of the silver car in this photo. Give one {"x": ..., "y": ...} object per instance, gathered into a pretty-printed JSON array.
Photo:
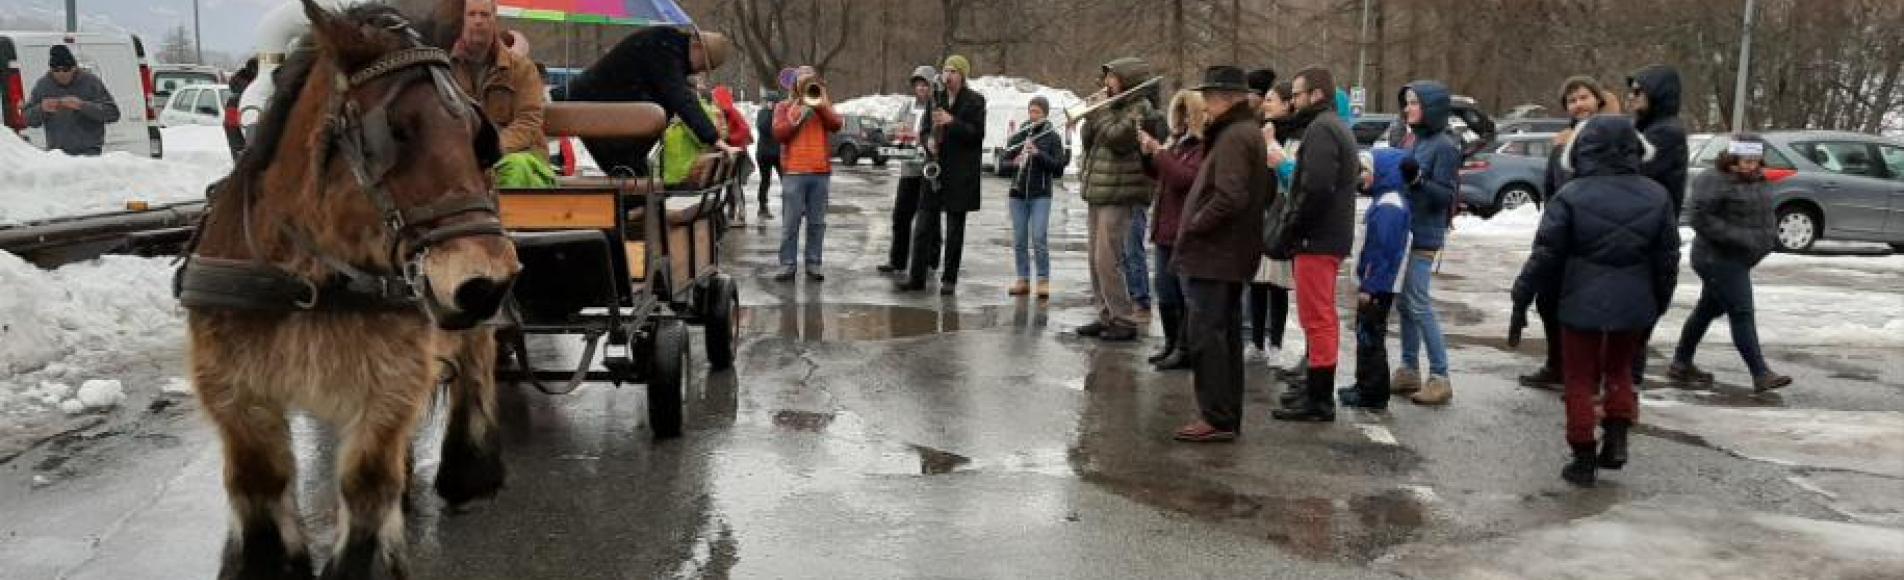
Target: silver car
[
  {"x": 1828, "y": 185},
  {"x": 1507, "y": 175}
]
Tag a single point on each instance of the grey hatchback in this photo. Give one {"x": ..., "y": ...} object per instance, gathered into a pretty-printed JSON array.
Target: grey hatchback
[
  {"x": 1511, "y": 173},
  {"x": 1828, "y": 185}
]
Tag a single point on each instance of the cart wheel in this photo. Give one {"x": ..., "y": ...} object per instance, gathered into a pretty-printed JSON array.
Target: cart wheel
[
  {"x": 723, "y": 322},
  {"x": 667, "y": 376}
]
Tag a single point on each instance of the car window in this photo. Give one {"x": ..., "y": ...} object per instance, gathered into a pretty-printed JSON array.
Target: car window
[
  {"x": 1539, "y": 148},
  {"x": 1516, "y": 147},
  {"x": 1844, "y": 157},
  {"x": 1893, "y": 160},
  {"x": 182, "y": 102},
  {"x": 208, "y": 101}
]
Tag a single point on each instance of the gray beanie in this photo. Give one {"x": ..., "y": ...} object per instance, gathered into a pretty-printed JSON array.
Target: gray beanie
[{"x": 925, "y": 73}]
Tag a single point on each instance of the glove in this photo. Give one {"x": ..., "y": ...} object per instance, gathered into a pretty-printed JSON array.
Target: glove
[
  {"x": 1515, "y": 323},
  {"x": 1411, "y": 171}
]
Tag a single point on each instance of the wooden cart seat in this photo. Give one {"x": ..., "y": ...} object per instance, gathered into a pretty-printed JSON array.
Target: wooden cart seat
[
  {"x": 604, "y": 120},
  {"x": 676, "y": 217},
  {"x": 632, "y": 186}
]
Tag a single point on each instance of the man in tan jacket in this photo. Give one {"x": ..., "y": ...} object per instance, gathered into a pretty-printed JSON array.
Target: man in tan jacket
[{"x": 509, "y": 89}]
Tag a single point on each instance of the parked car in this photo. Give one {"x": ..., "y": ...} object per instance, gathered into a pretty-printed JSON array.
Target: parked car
[
  {"x": 1827, "y": 185},
  {"x": 119, "y": 60},
  {"x": 1508, "y": 175},
  {"x": 1370, "y": 127},
  {"x": 168, "y": 78},
  {"x": 195, "y": 105},
  {"x": 861, "y": 136},
  {"x": 1531, "y": 125},
  {"x": 1472, "y": 127}
]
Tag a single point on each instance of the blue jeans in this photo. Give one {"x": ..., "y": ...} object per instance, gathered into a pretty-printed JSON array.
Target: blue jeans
[
  {"x": 1135, "y": 266},
  {"x": 802, "y": 197},
  {"x": 1030, "y": 218},
  {"x": 1418, "y": 317}
]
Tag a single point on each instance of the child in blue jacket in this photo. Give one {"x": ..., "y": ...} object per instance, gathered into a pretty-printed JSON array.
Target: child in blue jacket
[{"x": 1379, "y": 269}]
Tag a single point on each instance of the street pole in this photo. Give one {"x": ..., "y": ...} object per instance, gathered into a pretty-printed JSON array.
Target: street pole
[
  {"x": 1361, "y": 41},
  {"x": 1745, "y": 66},
  {"x": 72, "y": 16},
  {"x": 198, "y": 36}
]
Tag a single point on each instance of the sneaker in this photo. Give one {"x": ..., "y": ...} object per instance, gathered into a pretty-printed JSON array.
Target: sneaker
[
  {"x": 1687, "y": 374},
  {"x": 1274, "y": 358},
  {"x": 1770, "y": 381},
  {"x": 785, "y": 274},
  {"x": 1405, "y": 381},
  {"x": 1019, "y": 288},
  {"x": 764, "y": 215},
  {"x": 1044, "y": 288},
  {"x": 1438, "y": 391}
]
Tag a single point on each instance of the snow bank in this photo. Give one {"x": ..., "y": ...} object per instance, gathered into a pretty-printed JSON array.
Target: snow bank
[
  {"x": 1006, "y": 99},
  {"x": 198, "y": 146},
  {"x": 1520, "y": 223},
  {"x": 878, "y": 106},
  {"x": 67, "y": 326},
  {"x": 37, "y": 184}
]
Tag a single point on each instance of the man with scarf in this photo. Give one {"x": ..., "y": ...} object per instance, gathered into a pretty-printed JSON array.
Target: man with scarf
[{"x": 1319, "y": 231}]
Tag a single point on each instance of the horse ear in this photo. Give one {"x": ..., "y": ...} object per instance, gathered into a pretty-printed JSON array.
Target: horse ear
[
  {"x": 446, "y": 23},
  {"x": 334, "y": 35}
]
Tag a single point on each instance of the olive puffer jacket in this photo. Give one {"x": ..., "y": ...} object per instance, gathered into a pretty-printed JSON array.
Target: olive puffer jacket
[{"x": 1113, "y": 164}]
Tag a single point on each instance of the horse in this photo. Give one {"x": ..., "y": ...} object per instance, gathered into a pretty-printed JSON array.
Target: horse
[{"x": 342, "y": 269}]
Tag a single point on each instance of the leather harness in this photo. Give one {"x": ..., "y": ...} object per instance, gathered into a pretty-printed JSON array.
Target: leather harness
[{"x": 363, "y": 136}]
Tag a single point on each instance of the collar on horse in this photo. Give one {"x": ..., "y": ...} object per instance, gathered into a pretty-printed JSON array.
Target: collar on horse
[{"x": 363, "y": 137}]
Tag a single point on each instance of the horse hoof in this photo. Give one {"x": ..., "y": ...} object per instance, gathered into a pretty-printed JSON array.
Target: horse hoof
[
  {"x": 267, "y": 560},
  {"x": 469, "y": 474}
]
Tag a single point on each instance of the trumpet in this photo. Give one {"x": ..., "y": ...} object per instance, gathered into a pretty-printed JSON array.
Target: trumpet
[
  {"x": 1098, "y": 101},
  {"x": 814, "y": 94}
]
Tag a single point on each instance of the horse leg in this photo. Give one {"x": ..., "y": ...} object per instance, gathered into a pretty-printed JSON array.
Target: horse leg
[
  {"x": 472, "y": 445},
  {"x": 265, "y": 542},
  {"x": 372, "y": 479}
]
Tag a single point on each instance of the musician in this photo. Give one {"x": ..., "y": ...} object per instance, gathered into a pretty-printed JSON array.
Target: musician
[
  {"x": 1115, "y": 186},
  {"x": 911, "y": 171},
  {"x": 957, "y": 138},
  {"x": 652, "y": 65},
  {"x": 1041, "y": 158},
  {"x": 804, "y": 125}
]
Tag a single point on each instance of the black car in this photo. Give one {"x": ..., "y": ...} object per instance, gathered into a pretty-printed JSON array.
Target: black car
[
  {"x": 861, "y": 137},
  {"x": 1470, "y": 125},
  {"x": 1370, "y": 127}
]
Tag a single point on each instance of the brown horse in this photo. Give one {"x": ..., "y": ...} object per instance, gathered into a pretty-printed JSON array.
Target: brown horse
[{"x": 337, "y": 273}]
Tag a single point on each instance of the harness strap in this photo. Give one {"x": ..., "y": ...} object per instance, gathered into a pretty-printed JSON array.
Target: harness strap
[{"x": 227, "y": 284}]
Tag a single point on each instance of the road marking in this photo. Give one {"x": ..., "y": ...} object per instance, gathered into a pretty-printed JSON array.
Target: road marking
[{"x": 1378, "y": 434}]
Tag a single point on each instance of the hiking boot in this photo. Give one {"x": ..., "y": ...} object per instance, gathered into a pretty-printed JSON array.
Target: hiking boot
[
  {"x": 1405, "y": 381},
  {"x": 1583, "y": 468},
  {"x": 1044, "y": 288},
  {"x": 1770, "y": 381},
  {"x": 1687, "y": 374},
  {"x": 1438, "y": 391},
  {"x": 1092, "y": 330},
  {"x": 1613, "y": 443},
  {"x": 1545, "y": 378},
  {"x": 1118, "y": 334},
  {"x": 1317, "y": 404},
  {"x": 1019, "y": 288}
]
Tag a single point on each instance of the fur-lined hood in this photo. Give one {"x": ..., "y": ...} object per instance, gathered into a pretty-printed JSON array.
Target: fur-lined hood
[
  {"x": 1199, "y": 115},
  {"x": 1606, "y": 145}
]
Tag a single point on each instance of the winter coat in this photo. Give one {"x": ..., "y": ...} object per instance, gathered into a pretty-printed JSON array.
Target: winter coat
[
  {"x": 1113, "y": 172},
  {"x": 1733, "y": 219},
  {"x": 738, "y": 133},
  {"x": 768, "y": 147},
  {"x": 1037, "y": 175},
  {"x": 961, "y": 149},
  {"x": 510, "y": 91},
  {"x": 1556, "y": 177},
  {"x": 1661, "y": 126},
  {"x": 1385, "y": 228},
  {"x": 1321, "y": 219},
  {"x": 1175, "y": 170},
  {"x": 76, "y": 132},
  {"x": 650, "y": 64},
  {"x": 1289, "y": 132},
  {"x": 1431, "y": 198},
  {"x": 1608, "y": 244},
  {"x": 1220, "y": 236},
  {"x": 807, "y": 151}
]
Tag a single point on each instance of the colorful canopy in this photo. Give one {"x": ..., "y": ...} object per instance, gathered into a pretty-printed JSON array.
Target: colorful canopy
[{"x": 623, "y": 12}]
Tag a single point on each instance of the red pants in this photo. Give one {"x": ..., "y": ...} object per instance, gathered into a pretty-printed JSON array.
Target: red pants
[
  {"x": 1597, "y": 362},
  {"x": 1315, "y": 307}
]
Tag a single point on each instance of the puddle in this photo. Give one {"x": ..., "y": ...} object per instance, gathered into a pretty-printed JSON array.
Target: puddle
[
  {"x": 807, "y": 421},
  {"x": 1357, "y": 529},
  {"x": 856, "y": 322}
]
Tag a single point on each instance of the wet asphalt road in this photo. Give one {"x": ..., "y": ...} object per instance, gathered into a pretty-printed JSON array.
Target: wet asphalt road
[{"x": 871, "y": 434}]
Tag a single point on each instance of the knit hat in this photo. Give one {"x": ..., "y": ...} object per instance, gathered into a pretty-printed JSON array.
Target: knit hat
[
  {"x": 61, "y": 57},
  {"x": 786, "y": 78},
  {"x": 958, "y": 63},
  {"x": 925, "y": 73}
]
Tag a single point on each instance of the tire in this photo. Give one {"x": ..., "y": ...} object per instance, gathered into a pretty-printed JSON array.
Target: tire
[
  {"x": 1514, "y": 196},
  {"x": 723, "y": 323},
  {"x": 1897, "y": 248},
  {"x": 849, "y": 155},
  {"x": 667, "y": 376},
  {"x": 879, "y": 160},
  {"x": 1798, "y": 227}
]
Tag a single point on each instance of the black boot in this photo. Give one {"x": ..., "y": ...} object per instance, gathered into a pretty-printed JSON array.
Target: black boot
[
  {"x": 1172, "y": 318},
  {"x": 1318, "y": 402},
  {"x": 1582, "y": 469},
  {"x": 1613, "y": 443}
]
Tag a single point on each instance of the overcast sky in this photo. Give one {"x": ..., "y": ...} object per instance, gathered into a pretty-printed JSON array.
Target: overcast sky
[{"x": 228, "y": 24}]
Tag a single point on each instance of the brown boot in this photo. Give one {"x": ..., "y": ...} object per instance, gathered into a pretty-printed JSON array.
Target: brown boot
[
  {"x": 1406, "y": 381},
  {"x": 1044, "y": 288},
  {"x": 1019, "y": 288},
  {"x": 1436, "y": 392}
]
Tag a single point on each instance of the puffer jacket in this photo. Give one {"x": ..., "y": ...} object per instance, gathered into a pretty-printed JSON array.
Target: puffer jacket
[
  {"x": 1661, "y": 126},
  {"x": 1733, "y": 219},
  {"x": 1432, "y": 197},
  {"x": 1320, "y": 216},
  {"x": 1608, "y": 244},
  {"x": 1113, "y": 170}
]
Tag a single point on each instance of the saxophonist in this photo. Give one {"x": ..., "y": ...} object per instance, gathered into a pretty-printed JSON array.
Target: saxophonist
[
  {"x": 957, "y": 129},
  {"x": 912, "y": 181}
]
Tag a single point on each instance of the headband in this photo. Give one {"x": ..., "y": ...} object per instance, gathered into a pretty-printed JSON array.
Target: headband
[{"x": 1746, "y": 149}]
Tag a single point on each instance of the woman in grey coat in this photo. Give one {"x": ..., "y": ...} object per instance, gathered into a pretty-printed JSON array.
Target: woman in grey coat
[{"x": 1732, "y": 215}]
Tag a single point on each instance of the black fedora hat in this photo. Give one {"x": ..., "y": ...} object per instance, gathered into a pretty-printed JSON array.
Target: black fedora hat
[{"x": 1223, "y": 78}]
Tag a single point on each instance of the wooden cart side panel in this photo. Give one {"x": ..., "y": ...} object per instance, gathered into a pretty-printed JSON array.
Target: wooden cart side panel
[{"x": 574, "y": 211}]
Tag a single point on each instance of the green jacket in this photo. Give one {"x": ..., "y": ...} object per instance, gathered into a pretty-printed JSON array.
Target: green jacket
[{"x": 1113, "y": 170}]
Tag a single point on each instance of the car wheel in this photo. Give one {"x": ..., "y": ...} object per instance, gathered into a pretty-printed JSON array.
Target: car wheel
[
  {"x": 1514, "y": 196},
  {"x": 879, "y": 160},
  {"x": 849, "y": 154},
  {"x": 1798, "y": 227},
  {"x": 1897, "y": 248}
]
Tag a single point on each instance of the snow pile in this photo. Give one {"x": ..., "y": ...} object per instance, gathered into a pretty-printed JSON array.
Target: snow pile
[
  {"x": 198, "y": 146},
  {"x": 1519, "y": 223},
  {"x": 886, "y": 107},
  {"x": 37, "y": 184},
  {"x": 66, "y": 326}
]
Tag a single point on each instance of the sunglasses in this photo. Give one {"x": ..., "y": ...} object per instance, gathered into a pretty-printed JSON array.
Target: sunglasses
[{"x": 64, "y": 69}]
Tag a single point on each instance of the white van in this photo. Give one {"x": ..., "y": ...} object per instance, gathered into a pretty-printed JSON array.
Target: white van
[{"x": 117, "y": 59}]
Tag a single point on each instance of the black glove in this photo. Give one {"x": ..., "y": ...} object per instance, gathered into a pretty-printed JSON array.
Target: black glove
[
  {"x": 1515, "y": 323},
  {"x": 1411, "y": 171}
]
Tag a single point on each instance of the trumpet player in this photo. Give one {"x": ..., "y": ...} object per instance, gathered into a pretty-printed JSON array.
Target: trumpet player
[
  {"x": 802, "y": 124},
  {"x": 956, "y": 130},
  {"x": 1115, "y": 187},
  {"x": 925, "y": 80}
]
